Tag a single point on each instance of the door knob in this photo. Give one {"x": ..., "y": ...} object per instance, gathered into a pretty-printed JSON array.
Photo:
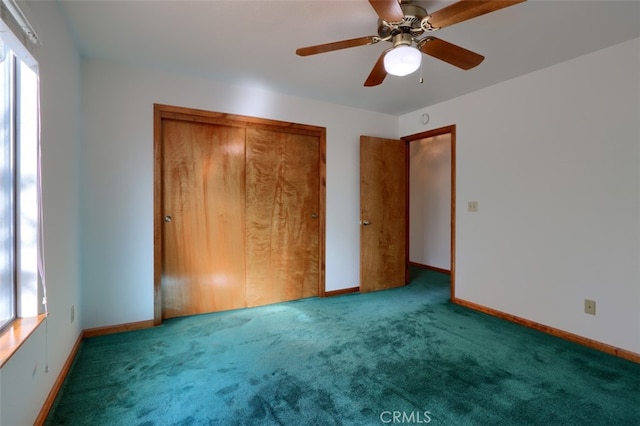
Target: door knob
[
  {"x": 364, "y": 222},
  {"x": 314, "y": 215},
  {"x": 168, "y": 218}
]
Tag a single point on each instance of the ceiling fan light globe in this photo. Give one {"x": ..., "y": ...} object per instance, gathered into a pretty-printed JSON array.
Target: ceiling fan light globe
[{"x": 402, "y": 60}]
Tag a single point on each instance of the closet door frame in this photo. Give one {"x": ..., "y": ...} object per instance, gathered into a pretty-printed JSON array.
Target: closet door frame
[{"x": 161, "y": 112}]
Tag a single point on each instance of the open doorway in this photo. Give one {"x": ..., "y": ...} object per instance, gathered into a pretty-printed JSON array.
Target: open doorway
[{"x": 431, "y": 205}]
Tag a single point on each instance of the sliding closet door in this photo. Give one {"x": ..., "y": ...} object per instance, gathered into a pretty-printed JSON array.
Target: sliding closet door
[
  {"x": 283, "y": 215},
  {"x": 203, "y": 253},
  {"x": 239, "y": 211}
]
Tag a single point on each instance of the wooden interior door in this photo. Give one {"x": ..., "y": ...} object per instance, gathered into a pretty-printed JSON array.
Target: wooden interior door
[
  {"x": 283, "y": 215},
  {"x": 383, "y": 213},
  {"x": 203, "y": 253}
]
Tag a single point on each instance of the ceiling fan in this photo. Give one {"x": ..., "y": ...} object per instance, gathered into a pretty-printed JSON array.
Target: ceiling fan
[{"x": 403, "y": 23}]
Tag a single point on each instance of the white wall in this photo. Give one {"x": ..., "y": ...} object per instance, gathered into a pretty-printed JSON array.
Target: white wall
[
  {"x": 23, "y": 383},
  {"x": 552, "y": 159},
  {"x": 117, "y": 178},
  {"x": 430, "y": 201}
]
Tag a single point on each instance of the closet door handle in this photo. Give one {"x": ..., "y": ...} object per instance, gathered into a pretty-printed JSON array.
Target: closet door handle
[
  {"x": 314, "y": 215},
  {"x": 168, "y": 218},
  {"x": 364, "y": 222}
]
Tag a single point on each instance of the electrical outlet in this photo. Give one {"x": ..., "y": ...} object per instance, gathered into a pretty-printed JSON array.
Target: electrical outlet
[
  {"x": 472, "y": 206},
  {"x": 73, "y": 313},
  {"x": 589, "y": 307}
]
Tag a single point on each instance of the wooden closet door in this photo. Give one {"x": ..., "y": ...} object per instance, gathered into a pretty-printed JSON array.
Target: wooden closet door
[
  {"x": 203, "y": 177},
  {"x": 283, "y": 216}
]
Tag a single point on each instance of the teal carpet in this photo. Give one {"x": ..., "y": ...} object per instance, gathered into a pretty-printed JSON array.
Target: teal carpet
[{"x": 406, "y": 356}]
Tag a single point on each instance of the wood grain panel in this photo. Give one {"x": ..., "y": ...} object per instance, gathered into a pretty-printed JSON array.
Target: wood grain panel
[
  {"x": 283, "y": 236},
  {"x": 203, "y": 192},
  {"x": 192, "y": 266},
  {"x": 383, "y": 202}
]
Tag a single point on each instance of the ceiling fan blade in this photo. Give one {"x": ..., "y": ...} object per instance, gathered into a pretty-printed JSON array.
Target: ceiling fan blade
[
  {"x": 467, "y": 9},
  {"x": 450, "y": 53},
  {"x": 337, "y": 45},
  {"x": 378, "y": 73},
  {"x": 388, "y": 10}
]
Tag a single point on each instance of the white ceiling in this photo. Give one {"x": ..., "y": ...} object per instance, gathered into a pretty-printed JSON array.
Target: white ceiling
[{"x": 253, "y": 43}]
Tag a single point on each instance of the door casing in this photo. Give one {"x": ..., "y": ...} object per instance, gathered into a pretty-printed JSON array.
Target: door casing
[{"x": 451, "y": 130}]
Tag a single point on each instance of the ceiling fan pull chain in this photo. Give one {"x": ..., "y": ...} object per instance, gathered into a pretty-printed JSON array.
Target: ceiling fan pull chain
[{"x": 421, "y": 79}]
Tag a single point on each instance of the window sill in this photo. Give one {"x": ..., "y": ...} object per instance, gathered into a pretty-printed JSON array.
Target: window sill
[{"x": 16, "y": 334}]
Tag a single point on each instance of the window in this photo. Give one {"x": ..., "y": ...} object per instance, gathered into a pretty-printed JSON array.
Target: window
[
  {"x": 18, "y": 188},
  {"x": 7, "y": 191}
]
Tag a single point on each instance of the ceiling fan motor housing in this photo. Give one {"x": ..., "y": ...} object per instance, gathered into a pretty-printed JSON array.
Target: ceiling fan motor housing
[
  {"x": 411, "y": 24},
  {"x": 401, "y": 39}
]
